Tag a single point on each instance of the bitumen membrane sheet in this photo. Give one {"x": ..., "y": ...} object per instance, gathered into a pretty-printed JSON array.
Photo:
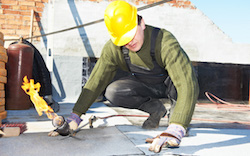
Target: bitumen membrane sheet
[
  {"x": 89, "y": 142},
  {"x": 201, "y": 141},
  {"x": 124, "y": 135}
]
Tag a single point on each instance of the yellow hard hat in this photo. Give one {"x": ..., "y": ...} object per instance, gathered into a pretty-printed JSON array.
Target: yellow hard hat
[{"x": 121, "y": 20}]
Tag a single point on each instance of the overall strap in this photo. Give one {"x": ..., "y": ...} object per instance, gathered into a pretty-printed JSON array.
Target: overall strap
[
  {"x": 125, "y": 52},
  {"x": 154, "y": 34}
]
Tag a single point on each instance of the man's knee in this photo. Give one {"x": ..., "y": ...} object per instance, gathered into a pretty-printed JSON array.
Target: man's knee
[
  {"x": 112, "y": 88},
  {"x": 110, "y": 91},
  {"x": 116, "y": 90}
]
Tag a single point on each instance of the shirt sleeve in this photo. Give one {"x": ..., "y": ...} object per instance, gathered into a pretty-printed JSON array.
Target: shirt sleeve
[
  {"x": 182, "y": 73},
  {"x": 101, "y": 75}
]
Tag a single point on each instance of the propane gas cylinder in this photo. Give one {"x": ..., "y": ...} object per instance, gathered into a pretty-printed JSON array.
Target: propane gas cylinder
[{"x": 20, "y": 64}]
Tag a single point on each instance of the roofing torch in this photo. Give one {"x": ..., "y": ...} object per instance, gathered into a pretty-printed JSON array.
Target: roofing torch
[{"x": 63, "y": 127}]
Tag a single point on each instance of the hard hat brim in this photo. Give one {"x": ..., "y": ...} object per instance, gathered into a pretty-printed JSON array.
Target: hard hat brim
[{"x": 126, "y": 38}]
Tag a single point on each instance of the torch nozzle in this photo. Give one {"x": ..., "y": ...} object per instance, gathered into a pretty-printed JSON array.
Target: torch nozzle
[
  {"x": 62, "y": 126},
  {"x": 58, "y": 121}
]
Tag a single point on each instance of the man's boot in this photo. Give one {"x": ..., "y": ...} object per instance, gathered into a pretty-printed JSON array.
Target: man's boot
[
  {"x": 53, "y": 104},
  {"x": 156, "y": 110}
]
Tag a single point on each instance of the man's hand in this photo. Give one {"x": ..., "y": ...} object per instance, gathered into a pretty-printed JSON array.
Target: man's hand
[
  {"x": 171, "y": 137},
  {"x": 73, "y": 121}
]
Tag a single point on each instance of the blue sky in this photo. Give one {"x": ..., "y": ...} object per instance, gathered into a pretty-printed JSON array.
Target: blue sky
[{"x": 231, "y": 16}]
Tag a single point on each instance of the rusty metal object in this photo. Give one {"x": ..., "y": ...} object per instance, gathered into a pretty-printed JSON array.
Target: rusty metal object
[{"x": 20, "y": 64}]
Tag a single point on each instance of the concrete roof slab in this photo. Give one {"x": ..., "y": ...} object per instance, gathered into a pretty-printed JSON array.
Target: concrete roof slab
[
  {"x": 90, "y": 142},
  {"x": 200, "y": 141}
]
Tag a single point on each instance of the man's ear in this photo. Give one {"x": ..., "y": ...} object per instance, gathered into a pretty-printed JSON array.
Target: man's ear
[{"x": 143, "y": 24}]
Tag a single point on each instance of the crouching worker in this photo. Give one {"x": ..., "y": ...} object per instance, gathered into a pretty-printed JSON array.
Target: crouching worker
[{"x": 158, "y": 68}]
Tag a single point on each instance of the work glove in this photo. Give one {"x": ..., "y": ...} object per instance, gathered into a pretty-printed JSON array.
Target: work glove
[
  {"x": 73, "y": 121},
  {"x": 171, "y": 137}
]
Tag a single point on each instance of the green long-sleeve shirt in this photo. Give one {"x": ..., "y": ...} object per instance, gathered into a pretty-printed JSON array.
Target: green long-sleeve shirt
[{"x": 168, "y": 54}]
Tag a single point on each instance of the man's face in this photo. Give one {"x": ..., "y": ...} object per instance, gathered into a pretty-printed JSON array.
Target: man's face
[{"x": 136, "y": 43}]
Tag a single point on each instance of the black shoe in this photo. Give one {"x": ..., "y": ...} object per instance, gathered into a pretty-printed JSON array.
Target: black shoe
[
  {"x": 153, "y": 120},
  {"x": 53, "y": 104},
  {"x": 156, "y": 110}
]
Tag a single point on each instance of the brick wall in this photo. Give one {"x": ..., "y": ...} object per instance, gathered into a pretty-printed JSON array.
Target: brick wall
[
  {"x": 3, "y": 78},
  {"x": 15, "y": 15}
]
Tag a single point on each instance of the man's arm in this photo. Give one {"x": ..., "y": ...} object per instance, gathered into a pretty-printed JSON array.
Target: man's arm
[
  {"x": 182, "y": 74},
  {"x": 102, "y": 74}
]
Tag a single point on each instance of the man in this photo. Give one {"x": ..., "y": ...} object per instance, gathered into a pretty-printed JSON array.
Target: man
[{"x": 158, "y": 68}]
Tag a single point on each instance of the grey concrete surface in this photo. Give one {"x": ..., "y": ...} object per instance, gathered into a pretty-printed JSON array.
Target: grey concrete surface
[
  {"x": 124, "y": 135},
  {"x": 201, "y": 141},
  {"x": 205, "y": 116},
  {"x": 89, "y": 142}
]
